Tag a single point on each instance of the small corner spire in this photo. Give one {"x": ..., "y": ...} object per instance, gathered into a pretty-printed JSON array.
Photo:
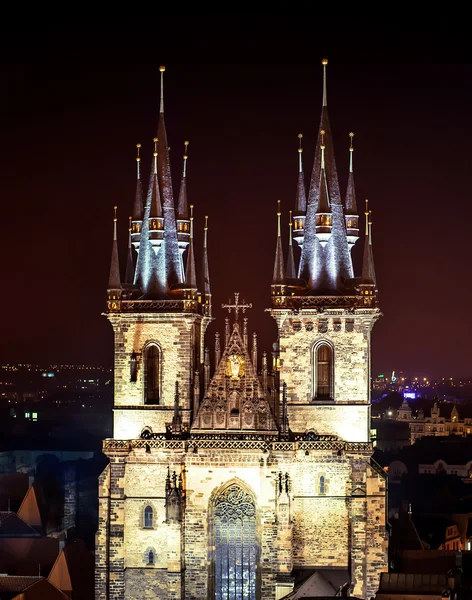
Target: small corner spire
[
  {"x": 279, "y": 275},
  {"x": 162, "y": 69},
  {"x": 290, "y": 270},
  {"x": 129, "y": 277},
  {"x": 368, "y": 269},
  {"x": 205, "y": 270},
  {"x": 190, "y": 272},
  {"x": 114, "y": 281},
  {"x": 324, "y": 62},
  {"x": 182, "y": 205}
]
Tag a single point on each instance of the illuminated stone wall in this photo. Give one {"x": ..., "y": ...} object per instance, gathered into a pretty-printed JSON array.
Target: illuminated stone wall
[
  {"x": 178, "y": 337},
  {"x": 310, "y": 530},
  {"x": 349, "y": 336}
]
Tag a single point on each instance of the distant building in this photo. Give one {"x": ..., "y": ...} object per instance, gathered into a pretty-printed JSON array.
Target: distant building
[{"x": 434, "y": 424}]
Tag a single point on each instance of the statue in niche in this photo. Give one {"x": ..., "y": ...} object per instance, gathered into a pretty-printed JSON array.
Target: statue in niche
[{"x": 235, "y": 366}]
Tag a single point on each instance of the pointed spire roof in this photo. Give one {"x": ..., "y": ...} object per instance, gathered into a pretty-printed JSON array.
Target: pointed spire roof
[
  {"x": 300, "y": 202},
  {"x": 205, "y": 270},
  {"x": 279, "y": 275},
  {"x": 190, "y": 272},
  {"x": 368, "y": 270},
  {"x": 182, "y": 209},
  {"x": 173, "y": 263},
  {"x": 138, "y": 207},
  {"x": 114, "y": 282},
  {"x": 290, "y": 271},
  {"x": 351, "y": 204},
  {"x": 156, "y": 206},
  {"x": 129, "y": 261},
  {"x": 330, "y": 164}
]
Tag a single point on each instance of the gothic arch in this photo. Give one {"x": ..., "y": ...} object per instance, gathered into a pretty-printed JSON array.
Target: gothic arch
[
  {"x": 322, "y": 362},
  {"x": 233, "y": 542},
  {"x": 152, "y": 357}
]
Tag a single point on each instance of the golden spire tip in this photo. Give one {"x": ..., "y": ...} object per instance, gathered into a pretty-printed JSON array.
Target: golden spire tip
[
  {"x": 162, "y": 69},
  {"x": 155, "y": 140},
  {"x": 114, "y": 209},
  {"x": 324, "y": 62}
]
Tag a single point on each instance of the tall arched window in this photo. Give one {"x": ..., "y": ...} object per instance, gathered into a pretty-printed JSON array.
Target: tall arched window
[
  {"x": 148, "y": 517},
  {"x": 151, "y": 375},
  {"x": 235, "y": 545},
  {"x": 323, "y": 371}
]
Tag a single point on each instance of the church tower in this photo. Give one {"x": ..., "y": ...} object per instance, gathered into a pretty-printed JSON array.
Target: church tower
[{"x": 229, "y": 479}]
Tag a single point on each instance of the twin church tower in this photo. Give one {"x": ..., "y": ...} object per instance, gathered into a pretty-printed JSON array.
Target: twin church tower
[{"x": 229, "y": 477}]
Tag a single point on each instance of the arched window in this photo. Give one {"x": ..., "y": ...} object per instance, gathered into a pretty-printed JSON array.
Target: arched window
[
  {"x": 323, "y": 371},
  {"x": 149, "y": 556},
  {"x": 322, "y": 490},
  {"x": 148, "y": 517},
  {"x": 151, "y": 375},
  {"x": 235, "y": 545}
]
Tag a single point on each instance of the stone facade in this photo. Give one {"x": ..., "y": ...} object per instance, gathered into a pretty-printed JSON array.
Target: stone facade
[{"x": 306, "y": 529}]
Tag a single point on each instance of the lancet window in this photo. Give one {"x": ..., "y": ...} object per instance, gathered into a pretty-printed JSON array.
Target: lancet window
[
  {"x": 152, "y": 366},
  {"x": 324, "y": 371},
  {"x": 148, "y": 517},
  {"x": 235, "y": 543}
]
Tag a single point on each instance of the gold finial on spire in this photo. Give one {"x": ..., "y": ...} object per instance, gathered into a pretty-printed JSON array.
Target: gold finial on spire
[
  {"x": 369, "y": 223},
  {"x": 278, "y": 218},
  {"x": 155, "y": 140},
  {"x": 191, "y": 221},
  {"x": 162, "y": 69},
  {"x": 205, "y": 232},
  {"x": 367, "y": 212},
  {"x": 114, "y": 223},
  {"x": 130, "y": 226},
  {"x": 115, "y": 209},
  {"x": 351, "y": 150},
  {"x": 300, "y": 151},
  {"x": 322, "y": 132},
  {"x": 324, "y": 62},
  {"x": 138, "y": 160},
  {"x": 185, "y": 157},
  {"x": 290, "y": 225}
]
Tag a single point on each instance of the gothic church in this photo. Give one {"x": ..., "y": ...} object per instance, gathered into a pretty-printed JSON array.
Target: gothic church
[{"x": 235, "y": 478}]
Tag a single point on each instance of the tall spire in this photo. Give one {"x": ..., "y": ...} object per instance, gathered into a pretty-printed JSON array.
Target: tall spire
[
  {"x": 138, "y": 200},
  {"x": 279, "y": 275},
  {"x": 206, "y": 271},
  {"x": 190, "y": 273},
  {"x": 368, "y": 271},
  {"x": 173, "y": 261},
  {"x": 351, "y": 214},
  {"x": 182, "y": 210},
  {"x": 325, "y": 262},
  {"x": 300, "y": 199},
  {"x": 300, "y": 204},
  {"x": 156, "y": 205},
  {"x": 129, "y": 261},
  {"x": 290, "y": 271},
  {"x": 114, "y": 282},
  {"x": 324, "y": 219}
]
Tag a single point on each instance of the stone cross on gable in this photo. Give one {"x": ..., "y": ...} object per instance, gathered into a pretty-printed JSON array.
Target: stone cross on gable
[{"x": 237, "y": 306}]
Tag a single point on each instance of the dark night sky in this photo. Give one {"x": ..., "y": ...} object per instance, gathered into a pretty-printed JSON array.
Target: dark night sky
[{"x": 75, "y": 100}]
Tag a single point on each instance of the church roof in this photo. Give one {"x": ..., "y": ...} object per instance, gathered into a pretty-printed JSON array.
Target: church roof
[{"x": 235, "y": 401}]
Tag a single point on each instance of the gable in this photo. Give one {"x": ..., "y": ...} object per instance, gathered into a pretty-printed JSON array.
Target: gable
[{"x": 235, "y": 400}]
